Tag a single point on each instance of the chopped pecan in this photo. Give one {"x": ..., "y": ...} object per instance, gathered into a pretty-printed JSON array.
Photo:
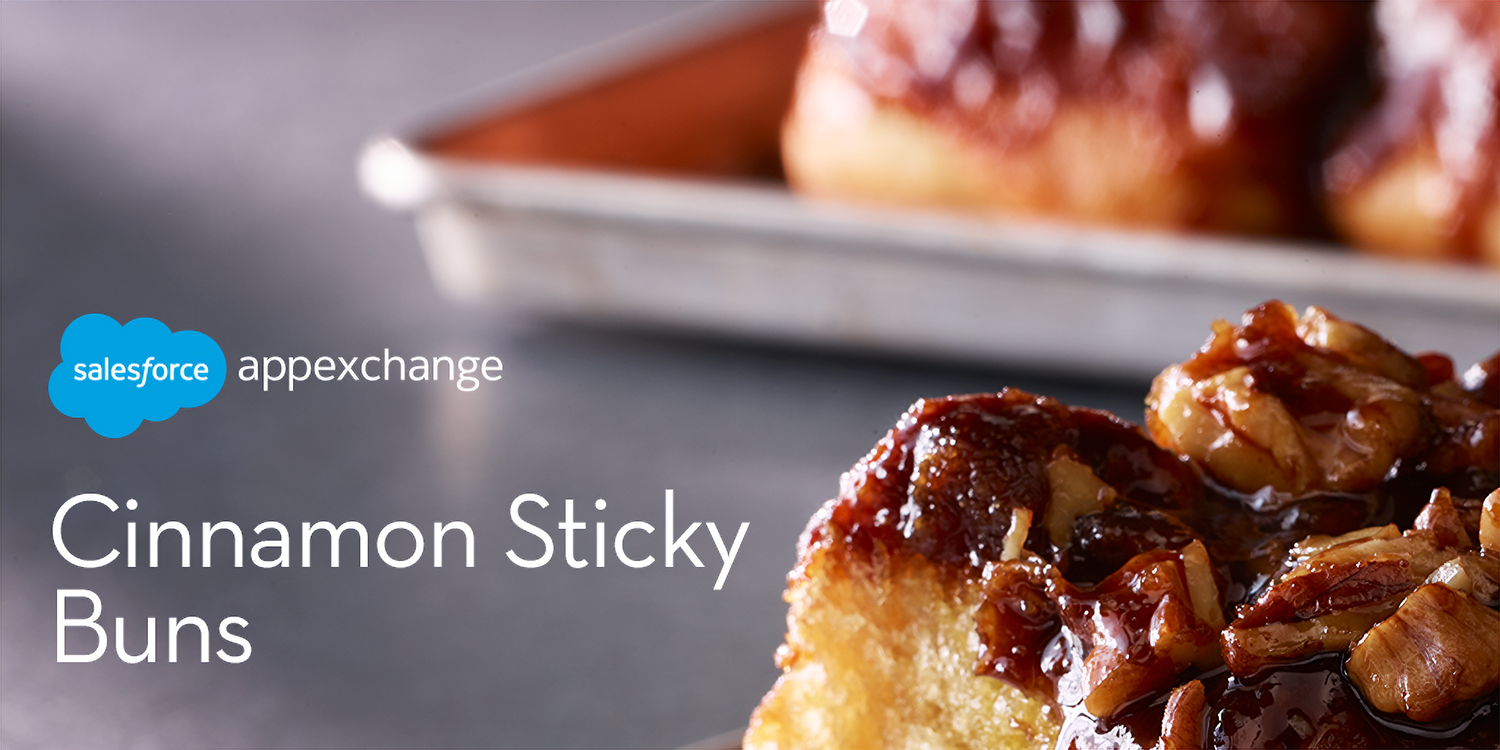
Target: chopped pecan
[
  {"x": 1362, "y": 347},
  {"x": 1339, "y": 587},
  {"x": 1182, "y": 722},
  {"x": 1140, "y": 628},
  {"x": 1442, "y": 519},
  {"x": 1475, "y": 575},
  {"x": 1294, "y": 405},
  {"x": 1464, "y": 448},
  {"x": 1203, "y": 590},
  {"x": 1346, "y": 576},
  {"x": 1129, "y": 636},
  {"x": 1015, "y": 537},
  {"x": 1321, "y": 542},
  {"x": 1244, "y": 438},
  {"x": 1435, "y": 653},
  {"x": 1249, "y": 649},
  {"x": 1467, "y": 438}
]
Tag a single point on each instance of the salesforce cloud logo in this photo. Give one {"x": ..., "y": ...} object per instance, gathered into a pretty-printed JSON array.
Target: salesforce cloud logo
[{"x": 115, "y": 376}]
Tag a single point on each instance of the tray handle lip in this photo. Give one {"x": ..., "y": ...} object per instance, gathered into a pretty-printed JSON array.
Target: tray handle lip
[
  {"x": 395, "y": 175},
  {"x": 1141, "y": 256}
]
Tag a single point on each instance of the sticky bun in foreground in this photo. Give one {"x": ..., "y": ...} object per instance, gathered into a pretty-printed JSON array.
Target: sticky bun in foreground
[{"x": 1301, "y": 549}]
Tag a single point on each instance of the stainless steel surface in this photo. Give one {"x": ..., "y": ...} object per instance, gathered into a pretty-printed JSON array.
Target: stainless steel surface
[
  {"x": 760, "y": 263},
  {"x": 193, "y": 163}
]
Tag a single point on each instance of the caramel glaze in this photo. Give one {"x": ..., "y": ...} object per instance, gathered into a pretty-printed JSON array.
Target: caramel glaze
[
  {"x": 943, "y": 484},
  {"x": 1436, "y": 55},
  {"x": 1310, "y": 704},
  {"x": 996, "y": 72}
]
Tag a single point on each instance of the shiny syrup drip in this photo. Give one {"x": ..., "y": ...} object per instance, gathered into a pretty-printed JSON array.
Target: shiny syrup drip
[
  {"x": 1310, "y": 704},
  {"x": 1313, "y": 704}
]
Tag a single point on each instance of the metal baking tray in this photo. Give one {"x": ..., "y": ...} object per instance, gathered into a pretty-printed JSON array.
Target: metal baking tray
[{"x": 636, "y": 183}]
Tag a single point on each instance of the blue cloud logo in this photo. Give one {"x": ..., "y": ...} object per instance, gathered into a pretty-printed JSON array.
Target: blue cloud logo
[{"x": 115, "y": 376}]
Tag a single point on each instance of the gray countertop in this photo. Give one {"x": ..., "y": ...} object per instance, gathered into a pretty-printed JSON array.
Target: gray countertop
[{"x": 194, "y": 163}]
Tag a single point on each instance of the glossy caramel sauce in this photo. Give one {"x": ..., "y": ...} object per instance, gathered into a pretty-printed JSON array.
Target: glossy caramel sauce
[
  {"x": 942, "y": 484},
  {"x": 945, "y": 481},
  {"x": 1313, "y": 704},
  {"x": 1310, "y": 704}
]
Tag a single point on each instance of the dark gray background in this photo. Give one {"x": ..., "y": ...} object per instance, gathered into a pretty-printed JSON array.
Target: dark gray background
[{"x": 195, "y": 163}]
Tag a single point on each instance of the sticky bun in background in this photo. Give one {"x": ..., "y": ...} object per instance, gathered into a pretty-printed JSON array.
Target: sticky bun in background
[
  {"x": 1419, "y": 176},
  {"x": 1171, "y": 115},
  {"x": 1301, "y": 550}
]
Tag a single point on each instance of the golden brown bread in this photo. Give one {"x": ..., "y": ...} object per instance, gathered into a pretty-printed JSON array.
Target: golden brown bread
[{"x": 880, "y": 653}]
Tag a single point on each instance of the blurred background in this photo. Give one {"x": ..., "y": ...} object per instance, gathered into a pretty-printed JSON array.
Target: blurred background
[{"x": 195, "y": 163}]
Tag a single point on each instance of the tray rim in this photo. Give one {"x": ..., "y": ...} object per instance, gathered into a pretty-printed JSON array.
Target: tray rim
[{"x": 998, "y": 241}]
